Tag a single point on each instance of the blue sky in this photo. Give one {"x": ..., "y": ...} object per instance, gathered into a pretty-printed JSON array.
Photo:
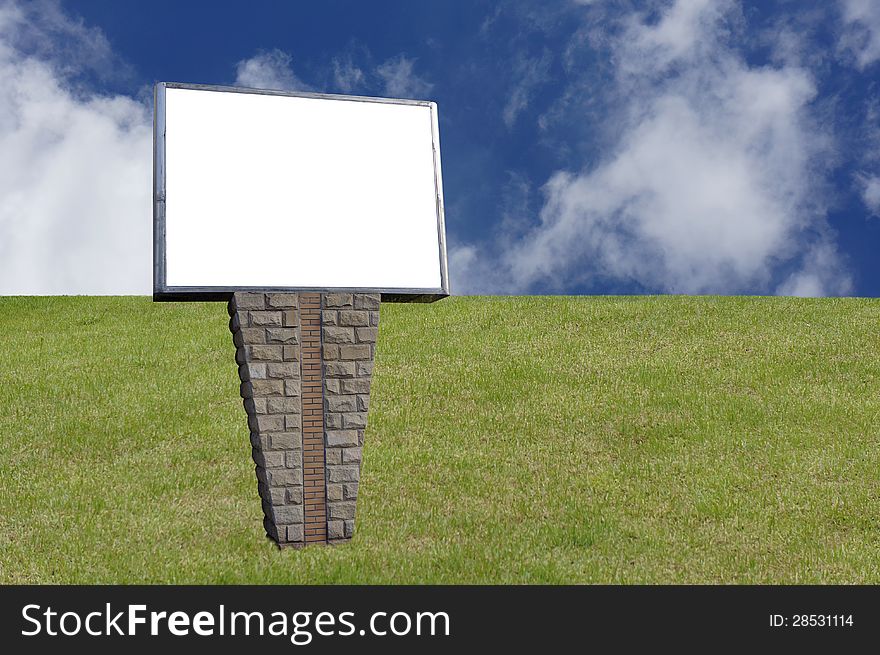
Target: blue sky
[{"x": 676, "y": 146}]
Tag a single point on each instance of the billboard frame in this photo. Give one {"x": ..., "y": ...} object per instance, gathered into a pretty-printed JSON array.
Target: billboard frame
[{"x": 162, "y": 292}]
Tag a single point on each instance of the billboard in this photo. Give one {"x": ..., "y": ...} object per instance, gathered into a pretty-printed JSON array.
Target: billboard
[{"x": 258, "y": 190}]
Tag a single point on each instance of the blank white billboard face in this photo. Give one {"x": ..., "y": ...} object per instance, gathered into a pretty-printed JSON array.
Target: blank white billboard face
[{"x": 262, "y": 190}]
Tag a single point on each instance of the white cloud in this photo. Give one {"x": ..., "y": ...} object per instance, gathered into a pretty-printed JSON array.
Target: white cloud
[
  {"x": 678, "y": 36},
  {"x": 870, "y": 190},
  {"x": 401, "y": 80},
  {"x": 75, "y": 175},
  {"x": 529, "y": 73},
  {"x": 42, "y": 30},
  {"x": 710, "y": 187},
  {"x": 269, "y": 70},
  {"x": 821, "y": 273},
  {"x": 347, "y": 76},
  {"x": 861, "y": 34},
  {"x": 356, "y": 72},
  {"x": 274, "y": 70}
]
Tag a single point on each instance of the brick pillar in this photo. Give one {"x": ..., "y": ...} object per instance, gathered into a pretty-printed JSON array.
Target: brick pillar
[
  {"x": 315, "y": 489},
  {"x": 305, "y": 363}
]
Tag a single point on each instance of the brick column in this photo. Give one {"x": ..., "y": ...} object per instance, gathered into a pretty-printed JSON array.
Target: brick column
[
  {"x": 305, "y": 362},
  {"x": 315, "y": 489}
]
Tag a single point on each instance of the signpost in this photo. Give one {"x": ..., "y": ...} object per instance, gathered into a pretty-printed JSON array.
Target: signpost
[{"x": 304, "y": 211}]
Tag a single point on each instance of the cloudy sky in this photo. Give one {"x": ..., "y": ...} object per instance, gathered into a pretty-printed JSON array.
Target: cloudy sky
[{"x": 590, "y": 146}]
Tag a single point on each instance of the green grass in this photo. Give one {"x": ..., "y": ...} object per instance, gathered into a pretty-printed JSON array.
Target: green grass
[{"x": 558, "y": 440}]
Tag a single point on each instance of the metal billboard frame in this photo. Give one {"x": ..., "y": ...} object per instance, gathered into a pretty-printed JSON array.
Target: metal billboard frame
[{"x": 163, "y": 292}]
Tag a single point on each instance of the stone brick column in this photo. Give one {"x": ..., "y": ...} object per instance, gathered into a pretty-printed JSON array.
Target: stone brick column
[
  {"x": 350, "y": 326},
  {"x": 305, "y": 363}
]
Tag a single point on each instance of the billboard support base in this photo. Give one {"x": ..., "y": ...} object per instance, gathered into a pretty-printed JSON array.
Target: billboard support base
[{"x": 305, "y": 361}]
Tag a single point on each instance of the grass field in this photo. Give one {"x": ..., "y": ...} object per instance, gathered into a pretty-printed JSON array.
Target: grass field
[{"x": 558, "y": 440}]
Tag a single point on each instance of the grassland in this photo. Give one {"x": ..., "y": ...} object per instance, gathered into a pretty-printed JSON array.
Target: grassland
[{"x": 511, "y": 440}]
